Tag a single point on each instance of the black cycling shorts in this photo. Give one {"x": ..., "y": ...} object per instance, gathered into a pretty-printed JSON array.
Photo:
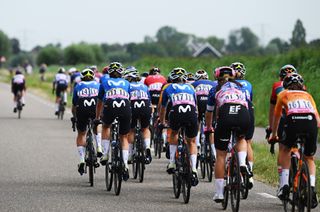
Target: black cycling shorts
[
  {"x": 118, "y": 108},
  {"x": 85, "y": 110},
  {"x": 249, "y": 134},
  {"x": 17, "y": 87},
  {"x": 141, "y": 109},
  {"x": 184, "y": 116},
  {"x": 155, "y": 96},
  {"x": 230, "y": 116},
  {"x": 305, "y": 124},
  {"x": 202, "y": 105},
  {"x": 61, "y": 88}
]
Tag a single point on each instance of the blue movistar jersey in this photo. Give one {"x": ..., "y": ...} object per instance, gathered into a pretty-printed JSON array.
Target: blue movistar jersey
[
  {"x": 104, "y": 78},
  {"x": 202, "y": 87},
  {"x": 85, "y": 90},
  {"x": 114, "y": 88},
  {"x": 139, "y": 91},
  {"x": 75, "y": 77},
  {"x": 247, "y": 89},
  {"x": 179, "y": 94}
]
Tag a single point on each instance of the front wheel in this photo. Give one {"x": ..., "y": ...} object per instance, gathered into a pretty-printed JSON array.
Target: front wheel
[
  {"x": 117, "y": 181},
  {"x": 108, "y": 177},
  {"x": 176, "y": 180},
  {"x": 235, "y": 182}
]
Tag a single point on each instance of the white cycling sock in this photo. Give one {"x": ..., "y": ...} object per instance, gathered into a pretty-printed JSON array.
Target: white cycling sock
[
  {"x": 284, "y": 180},
  {"x": 23, "y": 100},
  {"x": 147, "y": 143},
  {"x": 57, "y": 106},
  {"x": 213, "y": 150},
  {"x": 15, "y": 104},
  {"x": 106, "y": 146},
  {"x": 81, "y": 151},
  {"x": 173, "y": 149},
  {"x": 98, "y": 140},
  {"x": 65, "y": 97},
  {"x": 250, "y": 165},
  {"x": 198, "y": 139},
  {"x": 193, "y": 159},
  {"x": 219, "y": 186},
  {"x": 125, "y": 155},
  {"x": 130, "y": 151},
  {"x": 242, "y": 158},
  {"x": 312, "y": 180},
  {"x": 164, "y": 136}
]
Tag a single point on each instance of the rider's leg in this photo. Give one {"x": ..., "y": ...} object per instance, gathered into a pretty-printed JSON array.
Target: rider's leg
[
  {"x": 219, "y": 170},
  {"x": 146, "y": 137},
  {"x": 81, "y": 144},
  {"x": 250, "y": 154},
  {"x": 193, "y": 152},
  {"x": 242, "y": 151},
  {"x": 105, "y": 139},
  {"x": 285, "y": 161},
  {"x": 125, "y": 148},
  {"x": 131, "y": 141},
  {"x": 98, "y": 138}
]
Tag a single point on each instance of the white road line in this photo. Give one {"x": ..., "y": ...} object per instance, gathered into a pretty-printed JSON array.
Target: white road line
[{"x": 266, "y": 195}]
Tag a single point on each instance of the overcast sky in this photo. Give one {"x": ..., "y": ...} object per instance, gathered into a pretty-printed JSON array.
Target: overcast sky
[{"x": 39, "y": 22}]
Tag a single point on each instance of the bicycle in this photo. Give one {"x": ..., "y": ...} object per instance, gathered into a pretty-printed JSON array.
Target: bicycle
[
  {"x": 61, "y": 107},
  {"x": 90, "y": 153},
  {"x": 115, "y": 168},
  {"x": 138, "y": 164},
  {"x": 207, "y": 159},
  {"x": 299, "y": 196},
  {"x": 156, "y": 137},
  {"x": 233, "y": 176},
  {"x": 19, "y": 104},
  {"x": 182, "y": 175}
]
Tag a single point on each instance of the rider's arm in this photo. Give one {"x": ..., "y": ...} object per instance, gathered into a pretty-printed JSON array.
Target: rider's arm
[
  {"x": 100, "y": 101},
  {"x": 210, "y": 108},
  {"x": 277, "y": 115},
  {"x": 163, "y": 102}
]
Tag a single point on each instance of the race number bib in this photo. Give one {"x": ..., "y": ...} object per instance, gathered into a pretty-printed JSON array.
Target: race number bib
[
  {"x": 183, "y": 98},
  {"x": 138, "y": 94},
  {"x": 155, "y": 86},
  {"x": 203, "y": 89},
  {"x": 300, "y": 106},
  {"x": 117, "y": 93}
]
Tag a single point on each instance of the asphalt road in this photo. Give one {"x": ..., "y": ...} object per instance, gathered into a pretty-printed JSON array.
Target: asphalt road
[{"x": 38, "y": 172}]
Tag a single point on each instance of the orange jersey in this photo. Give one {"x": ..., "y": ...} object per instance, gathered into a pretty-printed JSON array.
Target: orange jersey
[{"x": 294, "y": 102}]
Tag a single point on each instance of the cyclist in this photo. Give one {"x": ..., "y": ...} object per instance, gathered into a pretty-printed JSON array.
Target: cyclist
[
  {"x": 60, "y": 84},
  {"x": 183, "y": 114},
  {"x": 18, "y": 84},
  {"x": 301, "y": 117},
  {"x": 276, "y": 89},
  {"x": 232, "y": 111},
  {"x": 190, "y": 78},
  {"x": 105, "y": 74},
  {"x": 83, "y": 108},
  {"x": 155, "y": 81},
  {"x": 97, "y": 74},
  {"x": 144, "y": 76},
  {"x": 240, "y": 70},
  {"x": 140, "y": 109},
  {"x": 202, "y": 86},
  {"x": 113, "y": 101}
]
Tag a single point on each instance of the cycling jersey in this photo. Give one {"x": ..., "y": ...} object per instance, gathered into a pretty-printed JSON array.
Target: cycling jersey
[
  {"x": 84, "y": 98},
  {"x": 155, "y": 83},
  {"x": 276, "y": 89},
  {"x": 97, "y": 76},
  {"x": 246, "y": 88},
  {"x": 18, "y": 79},
  {"x": 229, "y": 93},
  {"x": 75, "y": 78},
  {"x": 179, "y": 94},
  {"x": 61, "y": 79},
  {"x": 18, "y": 84},
  {"x": 104, "y": 78},
  {"x": 140, "y": 104},
  {"x": 202, "y": 88},
  {"x": 114, "y": 88},
  {"x": 295, "y": 101}
]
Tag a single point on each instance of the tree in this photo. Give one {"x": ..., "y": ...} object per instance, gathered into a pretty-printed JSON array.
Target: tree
[
  {"x": 280, "y": 44},
  {"x": 298, "y": 35},
  {"x": 5, "y": 45},
  {"x": 15, "y": 46},
  {"x": 50, "y": 55},
  {"x": 83, "y": 53},
  {"x": 243, "y": 41}
]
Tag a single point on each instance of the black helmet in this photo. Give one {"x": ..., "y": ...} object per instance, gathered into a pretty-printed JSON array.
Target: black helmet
[
  {"x": 177, "y": 73},
  {"x": 154, "y": 70},
  {"x": 87, "y": 74},
  {"x": 292, "y": 78}
]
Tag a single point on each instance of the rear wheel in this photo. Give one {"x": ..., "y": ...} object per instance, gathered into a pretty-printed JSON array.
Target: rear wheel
[
  {"x": 225, "y": 196},
  {"x": 141, "y": 168},
  {"x": 117, "y": 180},
  {"x": 235, "y": 182},
  {"x": 108, "y": 176},
  {"x": 176, "y": 185},
  {"x": 91, "y": 167},
  {"x": 209, "y": 165}
]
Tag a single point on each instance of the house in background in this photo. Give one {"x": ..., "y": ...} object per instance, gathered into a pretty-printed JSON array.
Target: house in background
[{"x": 203, "y": 49}]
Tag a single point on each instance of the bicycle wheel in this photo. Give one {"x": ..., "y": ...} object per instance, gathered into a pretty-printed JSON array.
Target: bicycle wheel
[
  {"x": 160, "y": 145},
  {"x": 203, "y": 168},
  {"x": 186, "y": 177},
  {"x": 209, "y": 165},
  {"x": 176, "y": 180},
  {"x": 235, "y": 182},
  {"x": 244, "y": 185},
  {"x": 108, "y": 176},
  {"x": 225, "y": 196},
  {"x": 156, "y": 146},
  {"x": 302, "y": 195},
  {"x": 90, "y": 164},
  {"x": 135, "y": 167},
  {"x": 19, "y": 114},
  {"x": 141, "y": 166}
]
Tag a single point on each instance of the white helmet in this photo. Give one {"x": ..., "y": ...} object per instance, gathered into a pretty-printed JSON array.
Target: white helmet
[{"x": 201, "y": 74}]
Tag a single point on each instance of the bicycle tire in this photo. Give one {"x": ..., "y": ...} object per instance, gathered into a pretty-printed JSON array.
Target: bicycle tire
[
  {"x": 245, "y": 183},
  {"x": 176, "y": 180},
  {"x": 209, "y": 165},
  {"x": 91, "y": 168},
  {"x": 186, "y": 177},
  {"x": 117, "y": 181},
  {"x": 203, "y": 169},
  {"x": 108, "y": 177},
  {"x": 224, "y": 203},
  {"x": 160, "y": 145},
  {"x": 135, "y": 168},
  {"x": 19, "y": 114},
  {"x": 155, "y": 146},
  {"x": 141, "y": 169},
  {"x": 302, "y": 196},
  {"x": 235, "y": 179}
]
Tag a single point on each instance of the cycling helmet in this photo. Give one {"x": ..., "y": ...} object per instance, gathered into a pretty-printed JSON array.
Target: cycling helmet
[
  {"x": 105, "y": 70},
  {"x": 292, "y": 78},
  {"x": 154, "y": 70},
  {"x": 177, "y": 73},
  {"x": 201, "y": 74},
  {"x": 287, "y": 69},
  {"x": 239, "y": 68},
  {"x": 87, "y": 74},
  {"x": 18, "y": 72},
  {"x": 145, "y": 74},
  {"x": 131, "y": 68},
  {"x": 130, "y": 75},
  {"x": 115, "y": 67},
  {"x": 72, "y": 70},
  {"x": 224, "y": 72},
  {"x": 61, "y": 70},
  {"x": 93, "y": 68},
  {"x": 190, "y": 76}
]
